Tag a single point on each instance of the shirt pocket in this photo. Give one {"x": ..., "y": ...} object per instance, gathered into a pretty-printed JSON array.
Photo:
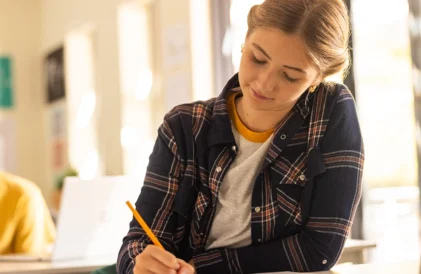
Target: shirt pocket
[
  {"x": 190, "y": 203},
  {"x": 295, "y": 186},
  {"x": 184, "y": 199},
  {"x": 182, "y": 214},
  {"x": 286, "y": 172},
  {"x": 290, "y": 179}
]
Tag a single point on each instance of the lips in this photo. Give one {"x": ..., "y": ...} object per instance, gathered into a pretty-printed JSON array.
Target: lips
[{"x": 258, "y": 96}]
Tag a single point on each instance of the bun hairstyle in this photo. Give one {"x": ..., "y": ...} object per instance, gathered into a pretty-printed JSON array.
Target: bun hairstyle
[{"x": 322, "y": 24}]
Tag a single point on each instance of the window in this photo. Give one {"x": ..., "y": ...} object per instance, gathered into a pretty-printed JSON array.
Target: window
[
  {"x": 384, "y": 91},
  {"x": 137, "y": 84},
  {"x": 81, "y": 103}
]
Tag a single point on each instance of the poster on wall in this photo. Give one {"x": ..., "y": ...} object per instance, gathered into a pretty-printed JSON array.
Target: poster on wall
[
  {"x": 58, "y": 137},
  {"x": 58, "y": 122},
  {"x": 6, "y": 90},
  {"x": 59, "y": 155},
  {"x": 54, "y": 66}
]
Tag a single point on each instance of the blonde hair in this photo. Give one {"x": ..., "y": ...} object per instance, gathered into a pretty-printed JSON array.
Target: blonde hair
[{"x": 322, "y": 24}]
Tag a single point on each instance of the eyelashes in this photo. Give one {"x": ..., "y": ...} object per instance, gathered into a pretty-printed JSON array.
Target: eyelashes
[
  {"x": 262, "y": 62},
  {"x": 289, "y": 79},
  {"x": 257, "y": 61}
]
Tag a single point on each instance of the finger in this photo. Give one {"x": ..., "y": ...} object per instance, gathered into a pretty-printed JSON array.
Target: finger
[
  {"x": 185, "y": 268},
  {"x": 165, "y": 257},
  {"x": 157, "y": 267},
  {"x": 141, "y": 270}
]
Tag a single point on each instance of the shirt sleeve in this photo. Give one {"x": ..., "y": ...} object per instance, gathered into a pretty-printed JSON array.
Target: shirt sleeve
[
  {"x": 155, "y": 201},
  {"x": 336, "y": 195},
  {"x": 35, "y": 228}
]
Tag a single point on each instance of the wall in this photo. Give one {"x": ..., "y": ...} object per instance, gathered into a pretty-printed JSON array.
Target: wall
[
  {"x": 171, "y": 22},
  {"x": 20, "y": 38},
  {"x": 59, "y": 19},
  {"x": 29, "y": 30}
]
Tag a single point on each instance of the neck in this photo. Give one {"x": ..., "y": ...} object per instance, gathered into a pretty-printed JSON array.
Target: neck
[{"x": 259, "y": 120}]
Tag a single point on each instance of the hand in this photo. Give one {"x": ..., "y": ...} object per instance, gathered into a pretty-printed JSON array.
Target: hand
[
  {"x": 186, "y": 268},
  {"x": 156, "y": 260}
]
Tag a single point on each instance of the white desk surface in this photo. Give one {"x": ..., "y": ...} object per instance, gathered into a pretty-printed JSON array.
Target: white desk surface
[
  {"x": 352, "y": 244},
  {"x": 86, "y": 266},
  {"x": 410, "y": 267},
  {"x": 62, "y": 267}
]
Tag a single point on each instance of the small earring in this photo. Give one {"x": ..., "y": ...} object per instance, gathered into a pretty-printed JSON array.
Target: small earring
[{"x": 312, "y": 88}]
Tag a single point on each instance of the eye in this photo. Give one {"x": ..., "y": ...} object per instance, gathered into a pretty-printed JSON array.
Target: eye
[
  {"x": 289, "y": 79},
  {"x": 257, "y": 61}
]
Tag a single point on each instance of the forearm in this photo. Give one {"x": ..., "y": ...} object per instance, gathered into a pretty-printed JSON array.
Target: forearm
[{"x": 307, "y": 251}]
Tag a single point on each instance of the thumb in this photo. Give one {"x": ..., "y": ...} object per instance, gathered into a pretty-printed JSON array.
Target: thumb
[{"x": 185, "y": 268}]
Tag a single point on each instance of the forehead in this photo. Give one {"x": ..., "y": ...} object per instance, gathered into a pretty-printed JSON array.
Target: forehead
[{"x": 282, "y": 48}]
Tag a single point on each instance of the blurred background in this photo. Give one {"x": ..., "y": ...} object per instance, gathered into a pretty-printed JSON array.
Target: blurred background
[{"x": 84, "y": 85}]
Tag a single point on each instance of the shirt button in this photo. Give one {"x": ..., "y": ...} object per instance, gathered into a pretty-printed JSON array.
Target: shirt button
[
  {"x": 218, "y": 169},
  {"x": 283, "y": 137},
  {"x": 324, "y": 262},
  {"x": 257, "y": 209},
  {"x": 302, "y": 177},
  {"x": 259, "y": 240}
]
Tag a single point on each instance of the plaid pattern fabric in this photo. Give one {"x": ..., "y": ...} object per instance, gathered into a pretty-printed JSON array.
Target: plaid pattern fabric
[{"x": 303, "y": 202}]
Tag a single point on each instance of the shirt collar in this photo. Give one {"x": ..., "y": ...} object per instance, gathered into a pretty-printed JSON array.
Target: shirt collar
[{"x": 220, "y": 131}]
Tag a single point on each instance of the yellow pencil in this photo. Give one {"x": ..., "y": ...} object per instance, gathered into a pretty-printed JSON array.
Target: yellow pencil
[{"x": 144, "y": 225}]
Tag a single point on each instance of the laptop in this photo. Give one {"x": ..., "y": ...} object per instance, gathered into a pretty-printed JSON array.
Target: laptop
[{"x": 93, "y": 219}]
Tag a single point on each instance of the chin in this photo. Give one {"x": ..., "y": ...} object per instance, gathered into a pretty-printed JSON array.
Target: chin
[{"x": 254, "y": 103}]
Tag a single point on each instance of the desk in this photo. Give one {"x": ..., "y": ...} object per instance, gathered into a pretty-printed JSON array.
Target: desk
[
  {"x": 410, "y": 267},
  {"x": 354, "y": 251},
  {"x": 63, "y": 267}
]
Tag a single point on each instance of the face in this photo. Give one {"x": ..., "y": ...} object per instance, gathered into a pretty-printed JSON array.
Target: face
[{"x": 274, "y": 70}]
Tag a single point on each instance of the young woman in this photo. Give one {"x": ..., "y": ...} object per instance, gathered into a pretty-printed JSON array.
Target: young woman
[{"x": 267, "y": 176}]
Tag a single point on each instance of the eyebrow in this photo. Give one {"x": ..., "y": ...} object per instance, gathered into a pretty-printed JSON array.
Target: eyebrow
[{"x": 267, "y": 55}]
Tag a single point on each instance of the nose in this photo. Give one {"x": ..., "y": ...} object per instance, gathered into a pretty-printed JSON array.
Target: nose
[{"x": 267, "y": 82}]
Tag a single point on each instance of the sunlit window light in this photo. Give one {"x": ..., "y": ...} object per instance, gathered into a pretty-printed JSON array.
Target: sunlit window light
[
  {"x": 227, "y": 42},
  {"x": 81, "y": 100},
  {"x": 239, "y": 10},
  {"x": 200, "y": 39},
  {"x": 139, "y": 169},
  {"x": 130, "y": 137},
  {"x": 144, "y": 85},
  {"x": 416, "y": 74},
  {"x": 136, "y": 76},
  {"x": 86, "y": 109},
  {"x": 338, "y": 78},
  {"x": 89, "y": 168}
]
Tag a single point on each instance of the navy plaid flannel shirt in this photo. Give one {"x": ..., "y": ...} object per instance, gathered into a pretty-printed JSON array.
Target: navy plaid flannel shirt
[{"x": 303, "y": 201}]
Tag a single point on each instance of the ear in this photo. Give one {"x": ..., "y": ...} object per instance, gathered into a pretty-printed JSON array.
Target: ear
[{"x": 318, "y": 80}]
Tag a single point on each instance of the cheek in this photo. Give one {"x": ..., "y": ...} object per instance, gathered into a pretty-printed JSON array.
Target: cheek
[
  {"x": 247, "y": 71},
  {"x": 243, "y": 74},
  {"x": 290, "y": 93}
]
